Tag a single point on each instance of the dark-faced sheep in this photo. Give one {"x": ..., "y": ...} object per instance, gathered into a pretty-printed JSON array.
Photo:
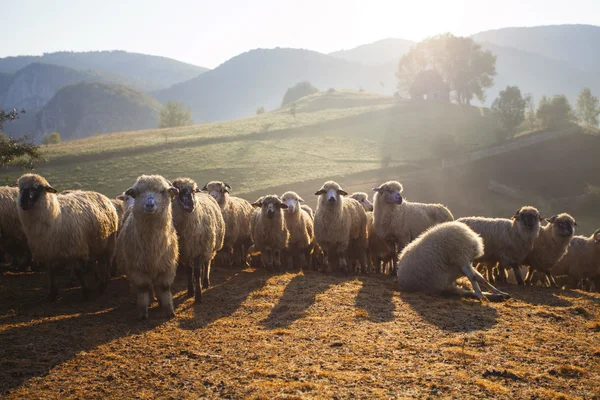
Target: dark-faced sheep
[
  {"x": 237, "y": 214},
  {"x": 550, "y": 246},
  {"x": 201, "y": 230},
  {"x": 582, "y": 261},
  {"x": 147, "y": 246},
  {"x": 435, "y": 260},
  {"x": 73, "y": 229},
  {"x": 507, "y": 241},
  {"x": 340, "y": 222},
  {"x": 300, "y": 225},
  {"x": 398, "y": 221},
  {"x": 269, "y": 233}
]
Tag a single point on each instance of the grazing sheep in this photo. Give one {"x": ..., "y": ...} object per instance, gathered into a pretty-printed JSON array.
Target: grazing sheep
[
  {"x": 340, "y": 223},
  {"x": 269, "y": 233},
  {"x": 582, "y": 261},
  {"x": 12, "y": 237},
  {"x": 300, "y": 225},
  {"x": 201, "y": 230},
  {"x": 73, "y": 228},
  {"x": 399, "y": 222},
  {"x": 442, "y": 254},
  {"x": 507, "y": 241},
  {"x": 147, "y": 247},
  {"x": 550, "y": 246},
  {"x": 237, "y": 214}
]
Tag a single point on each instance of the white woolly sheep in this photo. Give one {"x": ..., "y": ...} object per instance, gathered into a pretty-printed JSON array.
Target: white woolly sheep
[
  {"x": 340, "y": 223},
  {"x": 507, "y": 241},
  {"x": 269, "y": 232},
  {"x": 12, "y": 237},
  {"x": 201, "y": 230},
  {"x": 147, "y": 246},
  {"x": 442, "y": 254},
  {"x": 379, "y": 251},
  {"x": 73, "y": 228},
  {"x": 300, "y": 226},
  {"x": 582, "y": 261},
  {"x": 550, "y": 246},
  {"x": 399, "y": 222},
  {"x": 237, "y": 214}
]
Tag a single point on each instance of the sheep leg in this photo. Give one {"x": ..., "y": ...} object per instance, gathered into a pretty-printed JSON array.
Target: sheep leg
[
  {"x": 291, "y": 255},
  {"x": 325, "y": 260},
  {"x": 53, "y": 293},
  {"x": 303, "y": 255},
  {"x": 268, "y": 259},
  {"x": 197, "y": 274},
  {"x": 341, "y": 253},
  {"x": 468, "y": 270},
  {"x": 392, "y": 245},
  {"x": 166, "y": 299},
  {"x": 496, "y": 294},
  {"x": 104, "y": 268},
  {"x": 277, "y": 260},
  {"x": 206, "y": 275},
  {"x": 502, "y": 277},
  {"x": 189, "y": 269},
  {"x": 517, "y": 272},
  {"x": 143, "y": 299},
  {"x": 551, "y": 280},
  {"x": 529, "y": 276},
  {"x": 454, "y": 290},
  {"x": 79, "y": 268}
]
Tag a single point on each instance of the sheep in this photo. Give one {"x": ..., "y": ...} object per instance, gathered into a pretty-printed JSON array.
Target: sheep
[
  {"x": 550, "y": 246},
  {"x": 12, "y": 237},
  {"x": 438, "y": 257},
  {"x": 300, "y": 225},
  {"x": 363, "y": 199},
  {"x": 73, "y": 228},
  {"x": 340, "y": 222},
  {"x": 582, "y": 261},
  {"x": 201, "y": 230},
  {"x": 309, "y": 210},
  {"x": 147, "y": 246},
  {"x": 269, "y": 233},
  {"x": 237, "y": 214},
  {"x": 317, "y": 252},
  {"x": 507, "y": 241},
  {"x": 399, "y": 222}
]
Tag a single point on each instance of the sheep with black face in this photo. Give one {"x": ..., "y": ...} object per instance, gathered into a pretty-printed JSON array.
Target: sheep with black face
[{"x": 269, "y": 233}]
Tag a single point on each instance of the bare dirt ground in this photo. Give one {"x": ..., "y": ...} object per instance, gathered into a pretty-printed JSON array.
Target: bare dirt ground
[{"x": 297, "y": 335}]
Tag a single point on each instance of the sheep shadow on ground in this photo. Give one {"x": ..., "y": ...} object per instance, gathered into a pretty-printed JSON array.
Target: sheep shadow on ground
[
  {"x": 452, "y": 314},
  {"x": 228, "y": 290},
  {"x": 539, "y": 296},
  {"x": 299, "y": 295},
  {"x": 376, "y": 297}
]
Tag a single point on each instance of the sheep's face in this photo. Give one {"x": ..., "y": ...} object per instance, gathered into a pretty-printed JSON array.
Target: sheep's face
[
  {"x": 292, "y": 200},
  {"x": 151, "y": 194},
  {"x": 363, "y": 199},
  {"x": 331, "y": 193},
  {"x": 270, "y": 205},
  {"x": 187, "y": 193},
  {"x": 528, "y": 217},
  {"x": 218, "y": 190},
  {"x": 31, "y": 189},
  {"x": 127, "y": 200},
  {"x": 390, "y": 192},
  {"x": 562, "y": 225}
]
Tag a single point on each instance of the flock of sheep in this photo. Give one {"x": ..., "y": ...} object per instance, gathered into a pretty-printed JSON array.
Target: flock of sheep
[{"x": 157, "y": 225}]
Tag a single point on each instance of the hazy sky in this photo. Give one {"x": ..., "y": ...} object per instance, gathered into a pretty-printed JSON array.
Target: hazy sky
[{"x": 208, "y": 32}]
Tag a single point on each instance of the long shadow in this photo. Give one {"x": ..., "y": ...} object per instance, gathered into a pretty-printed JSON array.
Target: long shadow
[
  {"x": 297, "y": 298},
  {"x": 579, "y": 294},
  {"x": 375, "y": 297},
  {"x": 452, "y": 314},
  {"x": 538, "y": 296},
  {"x": 229, "y": 289}
]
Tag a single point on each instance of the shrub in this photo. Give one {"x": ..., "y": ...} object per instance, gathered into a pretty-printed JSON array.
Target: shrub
[{"x": 51, "y": 138}]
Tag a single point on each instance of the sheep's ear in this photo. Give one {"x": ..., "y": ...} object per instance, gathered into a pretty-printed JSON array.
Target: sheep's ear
[
  {"x": 120, "y": 197},
  {"x": 597, "y": 236},
  {"x": 342, "y": 192},
  {"x": 227, "y": 187},
  {"x": 197, "y": 190},
  {"x": 130, "y": 192},
  {"x": 574, "y": 223},
  {"x": 516, "y": 216},
  {"x": 257, "y": 203},
  {"x": 377, "y": 189},
  {"x": 551, "y": 220},
  {"x": 204, "y": 188},
  {"x": 283, "y": 205},
  {"x": 320, "y": 192},
  {"x": 173, "y": 191},
  {"x": 300, "y": 199},
  {"x": 50, "y": 189}
]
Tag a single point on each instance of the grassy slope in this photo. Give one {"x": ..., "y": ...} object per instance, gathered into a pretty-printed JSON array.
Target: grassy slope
[{"x": 332, "y": 134}]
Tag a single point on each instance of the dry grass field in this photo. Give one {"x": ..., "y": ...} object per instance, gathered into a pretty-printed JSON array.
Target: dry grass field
[{"x": 297, "y": 335}]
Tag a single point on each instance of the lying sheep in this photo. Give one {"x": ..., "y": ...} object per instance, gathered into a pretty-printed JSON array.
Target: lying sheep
[
  {"x": 340, "y": 222},
  {"x": 237, "y": 214},
  {"x": 269, "y": 232},
  {"x": 550, "y": 246},
  {"x": 399, "y": 222},
  {"x": 12, "y": 237},
  {"x": 147, "y": 247},
  {"x": 582, "y": 261},
  {"x": 507, "y": 241},
  {"x": 201, "y": 230},
  {"x": 300, "y": 225},
  {"x": 442, "y": 254},
  {"x": 71, "y": 228}
]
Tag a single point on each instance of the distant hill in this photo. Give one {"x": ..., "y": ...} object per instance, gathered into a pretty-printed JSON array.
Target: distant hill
[
  {"x": 576, "y": 44},
  {"x": 143, "y": 71},
  {"x": 380, "y": 52},
  {"x": 260, "y": 77},
  {"x": 84, "y": 109}
]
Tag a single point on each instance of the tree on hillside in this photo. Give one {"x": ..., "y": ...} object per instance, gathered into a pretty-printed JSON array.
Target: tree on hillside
[
  {"x": 25, "y": 153},
  {"x": 587, "y": 108},
  {"x": 174, "y": 114},
  {"x": 530, "y": 109},
  {"x": 260, "y": 110},
  {"x": 465, "y": 67},
  {"x": 555, "y": 113},
  {"x": 51, "y": 138},
  {"x": 510, "y": 109},
  {"x": 300, "y": 90}
]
